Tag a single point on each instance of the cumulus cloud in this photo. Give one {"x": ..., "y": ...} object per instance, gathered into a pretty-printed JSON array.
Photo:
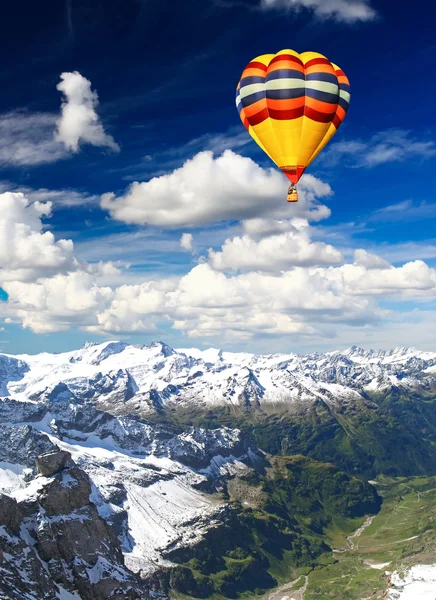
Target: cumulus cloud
[
  {"x": 79, "y": 121},
  {"x": 347, "y": 11},
  {"x": 274, "y": 252},
  {"x": 43, "y": 280},
  {"x": 135, "y": 308},
  {"x": 273, "y": 280},
  {"x": 209, "y": 190},
  {"x": 41, "y": 138},
  {"x": 370, "y": 261},
  {"x": 186, "y": 241},
  {"x": 395, "y": 145},
  {"x": 57, "y": 303},
  {"x": 26, "y": 251},
  {"x": 304, "y": 301},
  {"x": 413, "y": 280}
]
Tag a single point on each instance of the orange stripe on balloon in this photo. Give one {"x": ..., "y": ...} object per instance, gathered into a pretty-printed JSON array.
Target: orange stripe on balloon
[
  {"x": 286, "y": 104},
  {"x": 320, "y": 69},
  {"x": 286, "y": 64},
  {"x": 324, "y": 107},
  {"x": 253, "y": 72},
  {"x": 255, "y": 108},
  {"x": 341, "y": 113},
  {"x": 289, "y": 57}
]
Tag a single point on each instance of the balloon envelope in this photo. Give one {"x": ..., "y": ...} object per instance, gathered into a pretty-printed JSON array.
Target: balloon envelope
[{"x": 292, "y": 104}]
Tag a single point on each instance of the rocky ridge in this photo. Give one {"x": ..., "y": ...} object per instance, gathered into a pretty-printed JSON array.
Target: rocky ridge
[
  {"x": 54, "y": 544},
  {"x": 125, "y": 379}
]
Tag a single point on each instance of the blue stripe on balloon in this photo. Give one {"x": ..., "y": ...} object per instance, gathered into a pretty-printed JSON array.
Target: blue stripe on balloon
[
  {"x": 286, "y": 94},
  {"x": 285, "y": 74},
  {"x": 322, "y": 96},
  {"x": 252, "y": 98},
  {"x": 250, "y": 80},
  {"x": 327, "y": 77},
  {"x": 345, "y": 105}
]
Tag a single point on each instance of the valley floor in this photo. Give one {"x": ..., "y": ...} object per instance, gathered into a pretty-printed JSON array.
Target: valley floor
[
  {"x": 378, "y": 561},
  {"x": 400, "y": 536}
]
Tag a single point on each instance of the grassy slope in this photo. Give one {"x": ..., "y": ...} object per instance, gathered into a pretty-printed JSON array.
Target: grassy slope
[
  {"x": 387, "y": 434},
  {"x": 276, "y": 529},
  {"x": 401, "y": 534},
  {"x": 408, "y": 511}
]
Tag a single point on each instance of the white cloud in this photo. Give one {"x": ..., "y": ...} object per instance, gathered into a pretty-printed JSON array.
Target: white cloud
[
  {"x": 304, "y": 301},
  {"x": 412, "y": 280},
  {"x": 27, "y": 139},
  {"x": 41, "y": 138},
  {"x": 57, "y": 198},
  {"x": 60, "y": 198},
  {"x": 209, "y": 190},
  {"x": 274, "y": 252},
  {"x": 135, "y": 308},
  {"x": 348, "y": 11},
  {"x": 262, "y": 228},
  {"x": 79, "y": 121},
  {"x": 288, "y": 286},
  {"x": 186, "y": 241},
  {"x": 369, "y": 261},
  {"x": 395, "y": 145},
  {"x": 57, "y": 303},
  {"x": 26, "y": 251},
  {"x": 48, "y": 289}
]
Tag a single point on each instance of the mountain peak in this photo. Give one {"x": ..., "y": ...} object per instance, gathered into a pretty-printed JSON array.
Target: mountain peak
[{"x": 120, "y": 375}]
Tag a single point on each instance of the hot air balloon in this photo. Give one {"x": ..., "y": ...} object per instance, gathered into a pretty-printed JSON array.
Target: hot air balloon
[{"x": 292, "y": 105}]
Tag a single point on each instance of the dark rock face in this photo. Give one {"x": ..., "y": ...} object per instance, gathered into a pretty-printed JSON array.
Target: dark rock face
[
  {"x": 10, "y": 514},
  {"x": 54, "y": 540},
  {"x": 52, "y": 462},
  {"x": 22, "y": 444}
]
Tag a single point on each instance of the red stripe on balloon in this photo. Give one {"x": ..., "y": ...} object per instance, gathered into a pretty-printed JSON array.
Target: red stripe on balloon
[
  {"x": 283, "y": 115},
  {"x": 317, "y": 116},
  {"x": 259, "y": 117}
]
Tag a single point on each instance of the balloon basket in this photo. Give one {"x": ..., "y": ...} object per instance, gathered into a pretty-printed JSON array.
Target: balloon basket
[{"x": 292, "y": 196}]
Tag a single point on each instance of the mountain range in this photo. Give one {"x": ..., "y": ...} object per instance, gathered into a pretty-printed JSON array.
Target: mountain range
[
  {"x": 145, "y": 379},
  {"x": 180, "y": 447}
]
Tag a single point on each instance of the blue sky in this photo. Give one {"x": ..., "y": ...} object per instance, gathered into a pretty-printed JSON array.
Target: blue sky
[{"x": 161, "y": 154}]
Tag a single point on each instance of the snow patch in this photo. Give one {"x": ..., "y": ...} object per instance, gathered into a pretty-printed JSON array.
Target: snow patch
[
  {"x": 418, "y": 582},
  {"x": 11, "y": 477}
]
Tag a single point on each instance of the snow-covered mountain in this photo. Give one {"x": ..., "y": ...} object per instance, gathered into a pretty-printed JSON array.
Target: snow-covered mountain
[
  {"x": 126, "y": 379},
  {"x": 157, "y": 485},
  {"x": 149, "y": 480}
]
